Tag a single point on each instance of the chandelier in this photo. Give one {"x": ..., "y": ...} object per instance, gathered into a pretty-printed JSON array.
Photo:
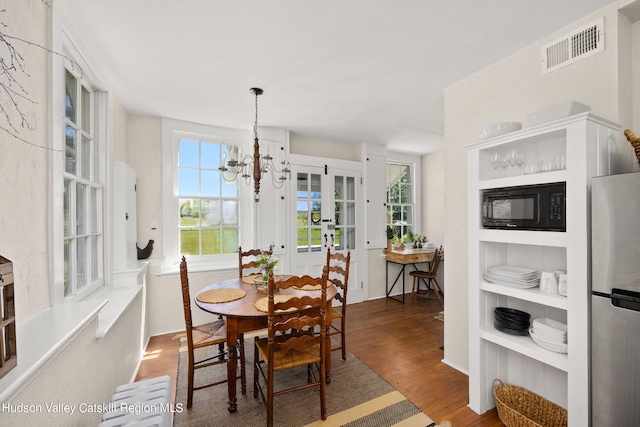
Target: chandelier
[{"x": 255, "y": 166}]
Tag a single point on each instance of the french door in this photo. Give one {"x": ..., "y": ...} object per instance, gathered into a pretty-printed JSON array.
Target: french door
[{"x": 328, "y": 215}]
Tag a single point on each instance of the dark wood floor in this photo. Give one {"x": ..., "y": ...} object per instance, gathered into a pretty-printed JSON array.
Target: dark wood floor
[{"x": 401, "y": 343}]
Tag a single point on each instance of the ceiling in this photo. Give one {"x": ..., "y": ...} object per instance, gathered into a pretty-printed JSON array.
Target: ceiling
[{"x": 343, "y": 71}]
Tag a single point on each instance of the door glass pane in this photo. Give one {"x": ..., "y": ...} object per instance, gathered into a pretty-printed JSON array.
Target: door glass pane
[
  {"x": 81, "y": 209},
  {"x": 71, "y": 97},
  {"x": 350, "y": 238},
  {"x": 70, "y": 150},
  {"x": 350, "y": 213},
  {"x": 316, "y": 239},
  {"x": 339, "y": 209},
  {"x": 337, "y": 243},
  {"x": 302, "y": 185},
  {"x": 302, "y": 214},
  {"x": 316, "y": 186},
  {"x": 339, "y": 190},
  {"x": 303, "y": 240},
  {"x": 351, "y": 188},
  {"x": 81, "y": 275}
]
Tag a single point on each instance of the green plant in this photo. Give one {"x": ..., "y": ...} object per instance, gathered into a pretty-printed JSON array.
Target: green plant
[{"x": 390, "y": 233}]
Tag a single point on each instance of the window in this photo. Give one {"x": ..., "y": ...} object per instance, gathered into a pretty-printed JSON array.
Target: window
[
  {"x": 208, "y": 219},
  {"x": 400, "y": 207},
  {"x": 82, "y": 190},
  {"x": 203, "y": 214}
]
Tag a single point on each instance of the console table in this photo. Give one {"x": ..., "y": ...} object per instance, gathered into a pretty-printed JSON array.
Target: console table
[{"x": 405, "y": 257}]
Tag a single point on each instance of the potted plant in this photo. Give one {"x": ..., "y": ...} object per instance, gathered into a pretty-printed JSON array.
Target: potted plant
[{"x": 390, "y": 235}]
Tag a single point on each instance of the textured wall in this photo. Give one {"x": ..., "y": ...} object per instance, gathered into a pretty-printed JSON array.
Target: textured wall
[{"x": 83, "y": 374}]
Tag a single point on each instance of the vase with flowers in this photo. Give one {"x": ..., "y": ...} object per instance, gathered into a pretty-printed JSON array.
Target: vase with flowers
[{"x": 267, "y": 262}]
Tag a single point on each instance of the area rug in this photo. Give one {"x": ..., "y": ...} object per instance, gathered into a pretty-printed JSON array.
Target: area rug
[{"x": 356, "y": 397}]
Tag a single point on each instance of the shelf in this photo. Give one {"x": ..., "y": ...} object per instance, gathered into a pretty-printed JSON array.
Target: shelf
[
  {"x": 532, "y": 295},
  {"x": 525, "y": 345},
  {"x": 524, "y": 237},
  {"x": 516, "y": 181}
]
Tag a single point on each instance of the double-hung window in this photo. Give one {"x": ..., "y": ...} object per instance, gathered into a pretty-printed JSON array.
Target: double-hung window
[
  {"x": 82, "y": 192},
  {"x": 203, "y": 214},
  {"x": 208, "y": 219},
  {"x": 400, "y": 204}
]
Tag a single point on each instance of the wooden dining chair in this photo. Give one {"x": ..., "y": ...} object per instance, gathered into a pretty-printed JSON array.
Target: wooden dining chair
[
  {"x": 338, "y": 272},
  {"x": 433, "y": 289},
  {"x": 292, "y": 341},
  {"x": 209, "y": 334},
  {"x": 250, "y": 265}
]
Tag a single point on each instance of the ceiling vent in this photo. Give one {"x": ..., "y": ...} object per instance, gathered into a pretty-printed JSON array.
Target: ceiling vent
[{"x": 573, "y": 47}]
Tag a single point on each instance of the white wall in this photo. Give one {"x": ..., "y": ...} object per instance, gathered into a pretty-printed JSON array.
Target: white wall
[
  {"x": 145, "y": 157},
  {"x": 25, "y": 189},
  {"x": 433, "y": 197},
  {"x": 507, "y": 90},
  {"x": 317, "y": 148}
]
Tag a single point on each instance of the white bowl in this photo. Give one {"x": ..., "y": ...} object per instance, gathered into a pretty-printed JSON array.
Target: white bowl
[
  {"x": 551, "y": 326},
  {"x": 558, "y": 338},
  {"x": 559, "y": 111},
  {"x": 498, "y": 129},
  {"x": 549, "y": 345}
]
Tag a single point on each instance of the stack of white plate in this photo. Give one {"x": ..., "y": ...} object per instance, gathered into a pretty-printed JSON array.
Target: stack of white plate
[
  {"x": 516, "y": 277},
  {"x": 550, "y": 334}
]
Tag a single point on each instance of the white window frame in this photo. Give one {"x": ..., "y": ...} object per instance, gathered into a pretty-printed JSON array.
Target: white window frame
[
  {"x": 414, "y": 162},
  {"x": 75, "y": 61},
  {"x": 172, "y": 132}
]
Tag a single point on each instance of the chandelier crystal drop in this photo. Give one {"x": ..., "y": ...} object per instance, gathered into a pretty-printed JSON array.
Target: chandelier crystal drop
[{"x": 254, "y": 166}]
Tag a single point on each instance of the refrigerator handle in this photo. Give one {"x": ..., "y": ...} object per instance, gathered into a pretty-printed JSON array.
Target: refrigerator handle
[{"x": 625, "y": 299}]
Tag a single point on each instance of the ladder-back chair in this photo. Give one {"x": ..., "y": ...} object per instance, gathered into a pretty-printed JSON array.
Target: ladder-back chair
[
  {"x": 292, "y": 341},
  {"x": 208, "y": 334}
]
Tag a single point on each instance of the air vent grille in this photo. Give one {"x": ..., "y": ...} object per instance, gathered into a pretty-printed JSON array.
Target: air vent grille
[{"x": 575, "y": 46}]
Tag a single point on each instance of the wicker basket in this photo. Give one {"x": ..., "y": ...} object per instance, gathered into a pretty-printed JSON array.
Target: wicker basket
[{"x": 519, "y": 407}]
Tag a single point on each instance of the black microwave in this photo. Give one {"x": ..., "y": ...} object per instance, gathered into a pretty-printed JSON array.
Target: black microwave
[{"x": 528, "y": 207}]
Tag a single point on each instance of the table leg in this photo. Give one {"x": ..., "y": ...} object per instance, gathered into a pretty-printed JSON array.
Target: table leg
[
  {"x": 232, "y": 361},
  {"x": 401, "y": 273}
]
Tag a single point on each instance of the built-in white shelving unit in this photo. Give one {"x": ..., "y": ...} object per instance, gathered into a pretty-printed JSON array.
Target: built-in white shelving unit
[{"x": 588, "y": 145}]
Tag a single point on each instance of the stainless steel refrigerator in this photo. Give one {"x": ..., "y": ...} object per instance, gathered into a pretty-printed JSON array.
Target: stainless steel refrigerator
[{"x": 615, "y": 300}]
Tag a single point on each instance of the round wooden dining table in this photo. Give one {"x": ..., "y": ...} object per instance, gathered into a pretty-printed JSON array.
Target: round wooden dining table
[{"x": 243, "y": 316}]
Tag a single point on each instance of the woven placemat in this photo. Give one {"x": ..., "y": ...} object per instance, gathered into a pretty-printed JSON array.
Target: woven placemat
[
  {"x": 263, "y": 303},
  {"x": 214, "y": 296},
  {"x": 315, "y": 287}
]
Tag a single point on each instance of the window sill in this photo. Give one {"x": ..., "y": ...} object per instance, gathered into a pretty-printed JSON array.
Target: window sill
[
  {"x": 42, "y": 337},
  {"x": 165, "y": 269},
  {"x": 117, "y": 300}
]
